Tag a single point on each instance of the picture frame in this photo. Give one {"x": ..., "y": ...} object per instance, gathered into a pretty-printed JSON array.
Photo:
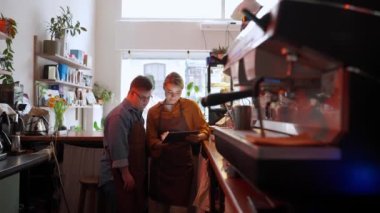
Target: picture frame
[{"x": 90, "y": 97}]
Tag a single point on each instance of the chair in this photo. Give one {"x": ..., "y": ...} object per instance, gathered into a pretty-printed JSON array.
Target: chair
[{"x": 88, "y": 184}]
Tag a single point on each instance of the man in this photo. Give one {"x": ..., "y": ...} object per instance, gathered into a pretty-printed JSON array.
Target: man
[{"x": 123, "y": 167}]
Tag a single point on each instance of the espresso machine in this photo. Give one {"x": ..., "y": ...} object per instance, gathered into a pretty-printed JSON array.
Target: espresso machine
[{"x": 310, "y": 68}]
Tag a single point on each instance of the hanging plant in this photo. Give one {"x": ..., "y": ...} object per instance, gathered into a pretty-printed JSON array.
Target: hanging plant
[
  {"x": 219, "y": 52},
  {"x": 6, "y": 60}
]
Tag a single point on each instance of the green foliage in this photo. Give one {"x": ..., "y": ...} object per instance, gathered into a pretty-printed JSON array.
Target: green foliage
[
  {"x": 6, "y": 61},
  {"x": 64, "y": 23},
  {"x": 102, "y": 93},
  {"x": 219, "y": 50},
  {"x": 97, "y": 127},
  {"x": 191, "y": 87},
  {"x": 78, "y": 129}
]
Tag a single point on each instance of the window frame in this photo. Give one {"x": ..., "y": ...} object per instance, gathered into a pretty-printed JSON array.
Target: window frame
[{"x": 222, "y": 15}]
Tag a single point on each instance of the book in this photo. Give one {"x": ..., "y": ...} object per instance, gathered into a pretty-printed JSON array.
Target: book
[{"x": 179, "y": 136}]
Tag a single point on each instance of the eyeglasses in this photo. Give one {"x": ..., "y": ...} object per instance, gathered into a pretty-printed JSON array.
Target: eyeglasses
[
  {"x": 173, "y": 94},
  {"x": 141, "y": 97}
]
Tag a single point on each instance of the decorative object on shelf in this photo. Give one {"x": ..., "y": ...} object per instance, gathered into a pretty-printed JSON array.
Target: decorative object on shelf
[
  {"x": 90, "y": 97},
  {"x": 51, "y": 72},
  {"x": 58, "y": 28},
  {"x": 59, "y": 106},
  {"x": 41, "y": 91},
  {"x": 102, "y": 94},
  {"x": 9, "y": 27}
]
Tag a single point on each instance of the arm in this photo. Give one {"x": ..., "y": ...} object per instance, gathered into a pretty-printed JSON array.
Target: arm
[
  {"x": 154, "y": 140},
  {"x": 198, "y": 123},
  {"x": 129, "y": 181},
  {"x": 116, "y": 136}
]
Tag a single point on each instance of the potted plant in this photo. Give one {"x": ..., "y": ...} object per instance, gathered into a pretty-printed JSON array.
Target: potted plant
[
  {"x": 102, "y": 94},
  {"x": 9, "y": 27},
  {"x": 59, "y": 106},
  {"x": 219, "y": 52},
  {"x": 59, "y": 27}
]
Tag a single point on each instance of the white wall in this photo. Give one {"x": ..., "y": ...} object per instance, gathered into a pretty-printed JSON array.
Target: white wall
[
  {"x": 106, "y": 34},
  {"x": 113, "y": 36},
  {"x": 32, "y": 18}
]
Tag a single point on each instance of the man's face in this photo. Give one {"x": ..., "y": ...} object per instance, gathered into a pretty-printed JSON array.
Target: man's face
[
  {"x": 172, "y": 93},
  {"x": 140, "y": 98}
]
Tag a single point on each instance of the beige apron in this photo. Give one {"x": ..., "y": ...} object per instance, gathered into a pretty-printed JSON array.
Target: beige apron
[
  {"x": 135, "y": 200},
  {"x": 171, "y": 173}
]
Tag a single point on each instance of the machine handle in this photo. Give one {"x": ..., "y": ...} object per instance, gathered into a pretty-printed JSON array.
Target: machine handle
[{"x": 220, "y": 98}]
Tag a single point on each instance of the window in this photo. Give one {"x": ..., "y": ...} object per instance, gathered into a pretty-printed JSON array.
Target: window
[
  {"x": 178, "y": 9},
  {"x": 158, "y": 72},
  {"x": 159, "y": 66}
]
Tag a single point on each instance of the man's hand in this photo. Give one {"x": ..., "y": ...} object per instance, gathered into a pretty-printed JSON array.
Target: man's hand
[{"x": 129, "y": 181}]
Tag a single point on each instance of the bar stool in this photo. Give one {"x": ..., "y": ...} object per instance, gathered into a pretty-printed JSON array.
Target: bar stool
[{"x": 88, "y": 184}]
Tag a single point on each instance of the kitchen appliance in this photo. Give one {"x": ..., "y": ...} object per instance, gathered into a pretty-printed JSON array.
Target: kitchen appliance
[
  {"x": 7, "y": 118},
  {"x": 11, "y": 93},
  {"x": 310, "y": 68}
]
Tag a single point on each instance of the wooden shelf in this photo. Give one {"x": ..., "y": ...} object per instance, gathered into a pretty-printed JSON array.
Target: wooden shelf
[
  {"x": 3, "y": 36},
  {"x": 70, "y": 107},
  {"x": 64, "y": 60},
  {"x": 48, "y": 81},
  {"x": 4, "y": 72}
]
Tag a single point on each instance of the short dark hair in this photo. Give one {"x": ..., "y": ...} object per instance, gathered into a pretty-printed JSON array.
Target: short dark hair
[{"x": 141, "y": 83}]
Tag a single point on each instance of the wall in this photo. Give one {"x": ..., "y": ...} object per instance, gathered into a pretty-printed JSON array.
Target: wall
[
  {"x": 32, "y": 18},
  {"x": 113, "y": 36}
]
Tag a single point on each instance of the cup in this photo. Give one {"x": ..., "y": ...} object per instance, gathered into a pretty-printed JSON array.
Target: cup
[{"x": 241, "y": 116}]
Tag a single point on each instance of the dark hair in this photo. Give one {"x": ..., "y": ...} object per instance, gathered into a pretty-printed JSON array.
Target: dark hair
[
  {"x": 174, "y": 78},
  {"x": 141, "y": 83}
]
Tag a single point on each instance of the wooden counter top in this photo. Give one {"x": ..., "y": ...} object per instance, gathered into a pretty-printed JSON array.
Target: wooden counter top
[{"x": 83, "y": 139}]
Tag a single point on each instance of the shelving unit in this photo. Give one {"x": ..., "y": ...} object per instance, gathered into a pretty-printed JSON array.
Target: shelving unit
[
  {"x": 57, "y": 59},
  {"x": 79, "y": 73},
  {"x": 71, "y": 107},
  {"x": 48, "y": 81},
  {"x": 217, "y": 82},
  {"x": 63, "y": 60}
]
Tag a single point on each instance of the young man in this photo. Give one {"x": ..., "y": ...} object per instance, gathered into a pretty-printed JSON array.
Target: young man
[{"x": 123, "y": 167}]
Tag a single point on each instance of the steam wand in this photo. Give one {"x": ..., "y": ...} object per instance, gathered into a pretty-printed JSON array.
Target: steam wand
[{"x": 256, "y": 99}]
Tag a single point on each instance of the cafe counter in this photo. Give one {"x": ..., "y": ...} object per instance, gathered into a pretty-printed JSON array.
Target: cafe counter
[{"x": 79, "y": 156}]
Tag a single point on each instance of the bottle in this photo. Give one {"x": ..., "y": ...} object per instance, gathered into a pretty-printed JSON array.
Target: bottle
[{"x": 16, "y": 145}]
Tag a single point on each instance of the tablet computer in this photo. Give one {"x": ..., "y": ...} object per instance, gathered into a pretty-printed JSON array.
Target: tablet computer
[{"x": 179, "y": 136}]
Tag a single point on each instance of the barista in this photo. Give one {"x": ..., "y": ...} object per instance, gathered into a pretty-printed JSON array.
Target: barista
[{"x": 172, "y": 168}]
